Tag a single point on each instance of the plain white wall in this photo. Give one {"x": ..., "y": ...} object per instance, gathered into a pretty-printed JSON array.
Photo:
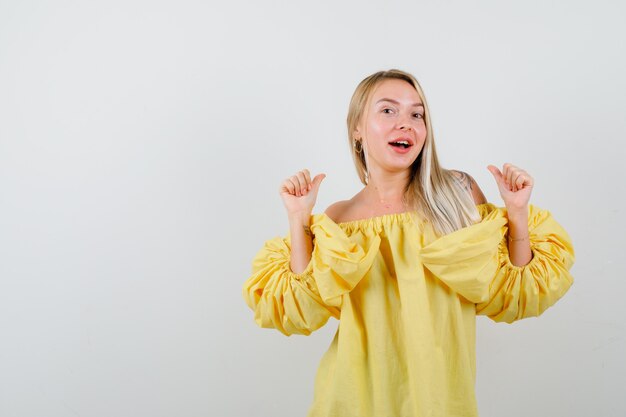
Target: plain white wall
[{"x": 143, "y": 143}]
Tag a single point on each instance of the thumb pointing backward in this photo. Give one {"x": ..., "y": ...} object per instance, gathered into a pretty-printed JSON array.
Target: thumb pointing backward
[
  {"x": 317, "y": 180},
  {"x": 497, "y": 175}
]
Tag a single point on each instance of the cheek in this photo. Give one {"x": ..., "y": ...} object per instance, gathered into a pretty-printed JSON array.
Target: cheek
[
  {"x": 379, "y": 127},
  {"x": 421, "y": 131}
]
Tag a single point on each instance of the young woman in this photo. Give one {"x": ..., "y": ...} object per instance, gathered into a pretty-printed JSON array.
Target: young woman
[{"x": 405, "y": 265}]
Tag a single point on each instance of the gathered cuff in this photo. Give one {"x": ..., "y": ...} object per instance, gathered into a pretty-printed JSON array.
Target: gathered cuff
[
  {"x": 474, "y": 261},
  {"x": 299, "y": 303}
]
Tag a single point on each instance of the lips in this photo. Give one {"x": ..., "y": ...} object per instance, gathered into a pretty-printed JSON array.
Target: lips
[{"x": 402, "y": 142}]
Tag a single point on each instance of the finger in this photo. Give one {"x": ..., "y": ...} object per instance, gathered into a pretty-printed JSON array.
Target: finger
[
  {"x": 303, "y": 183},
  {"x": 514, "y": 178},
  {"x": 505, "y": 173},
  {"x": 317, "y": 180},
  {"x": 287, "y": 186},
  {"x": 304, "y": 187},
  {"x": 496, "y": 174},
  {"x": 528, "y": 180},
  {"x": 296, "y": 183},
  {"x": 509, "y": 175},
  {"x": 515, "y": 173},
  {"x": 307, "y": 177},
  {"x": 519, "y": 181},
  {"x": 506, "y": 170},
  {"x": 293, "y": 187},
  {"x": 503, "y": 176}
]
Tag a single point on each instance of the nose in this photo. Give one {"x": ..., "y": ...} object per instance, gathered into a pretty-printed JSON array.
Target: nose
[{"x": 404, "y": 123}]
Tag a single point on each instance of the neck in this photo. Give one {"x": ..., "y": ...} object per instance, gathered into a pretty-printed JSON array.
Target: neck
[{"x": 387, "y": 187}]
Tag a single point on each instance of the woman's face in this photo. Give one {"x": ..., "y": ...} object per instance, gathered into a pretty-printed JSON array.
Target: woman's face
[{"x": 394, "y": 115}]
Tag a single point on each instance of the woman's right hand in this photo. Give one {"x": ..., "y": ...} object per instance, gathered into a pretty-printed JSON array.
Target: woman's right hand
[{"x": 299, "y": 193}]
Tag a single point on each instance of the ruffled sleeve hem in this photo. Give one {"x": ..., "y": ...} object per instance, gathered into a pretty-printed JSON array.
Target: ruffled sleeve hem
[
  {"x": 474, "y": 261},
  {"x": 299, "y": 303},
  {"x": 518, "y": 292}
]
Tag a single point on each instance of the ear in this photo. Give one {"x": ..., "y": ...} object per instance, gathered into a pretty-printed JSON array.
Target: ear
[{"x": 356, "y": 134}]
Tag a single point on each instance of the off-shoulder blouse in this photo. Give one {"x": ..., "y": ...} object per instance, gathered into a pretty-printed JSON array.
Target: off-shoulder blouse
[{"x": 406, "y": 301}]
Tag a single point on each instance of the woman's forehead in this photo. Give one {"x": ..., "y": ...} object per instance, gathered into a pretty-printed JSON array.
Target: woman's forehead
[{"x": 395, "y": 90}]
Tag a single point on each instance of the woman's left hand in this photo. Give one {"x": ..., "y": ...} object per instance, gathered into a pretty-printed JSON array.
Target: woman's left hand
[{"x": 515, "y": 186}]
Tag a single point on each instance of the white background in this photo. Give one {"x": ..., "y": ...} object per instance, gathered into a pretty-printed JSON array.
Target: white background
[{"x": 143, "y": 143}]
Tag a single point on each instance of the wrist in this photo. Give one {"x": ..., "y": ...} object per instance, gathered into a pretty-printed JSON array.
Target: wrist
[
  {"x": 517, "y": 212},
  {"x": 300, "y": 217}
]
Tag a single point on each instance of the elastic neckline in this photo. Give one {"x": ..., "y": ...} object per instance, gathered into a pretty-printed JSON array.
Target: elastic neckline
[{"x": 384, "y": 218}]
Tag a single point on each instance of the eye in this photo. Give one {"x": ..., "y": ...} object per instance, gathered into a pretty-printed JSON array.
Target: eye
[
  {"x": 385, "y": 110},
  {"x": 419, "y": 115}
]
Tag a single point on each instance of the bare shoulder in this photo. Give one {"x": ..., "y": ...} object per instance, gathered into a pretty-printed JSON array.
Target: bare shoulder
[
  {"x": 471, "y": 185},
  {"x": 337, "y": 211}
]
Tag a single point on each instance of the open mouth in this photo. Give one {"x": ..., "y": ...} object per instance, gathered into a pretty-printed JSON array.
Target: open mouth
[{"x": 401, "y": 144}]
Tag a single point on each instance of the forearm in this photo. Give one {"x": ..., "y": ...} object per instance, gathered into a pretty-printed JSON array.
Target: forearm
[
  {"x": 519, "y": 250},
  {"x": 301, "y": 241}
]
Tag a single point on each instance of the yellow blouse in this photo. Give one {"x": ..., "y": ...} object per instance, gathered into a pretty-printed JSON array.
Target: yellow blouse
[{"x": 406, "y": 301}]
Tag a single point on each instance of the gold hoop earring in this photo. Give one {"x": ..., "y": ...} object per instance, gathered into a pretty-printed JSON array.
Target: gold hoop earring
[{"x": 358, "y": 148}]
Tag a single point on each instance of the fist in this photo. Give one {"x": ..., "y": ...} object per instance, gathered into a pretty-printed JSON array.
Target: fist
[
  {"x": 515, "y": 185},
  {"x": 299, "y": 192}
]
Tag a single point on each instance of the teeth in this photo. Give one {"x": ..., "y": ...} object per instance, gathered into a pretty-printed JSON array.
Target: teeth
[{"x": 404, "y": 143}]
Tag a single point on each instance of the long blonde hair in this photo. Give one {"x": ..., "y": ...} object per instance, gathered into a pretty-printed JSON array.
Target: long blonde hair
[{"x": 434, "y": 192}]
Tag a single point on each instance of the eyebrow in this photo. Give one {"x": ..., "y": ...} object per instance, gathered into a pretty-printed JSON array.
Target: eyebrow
[{"x": 395, "y": 102}]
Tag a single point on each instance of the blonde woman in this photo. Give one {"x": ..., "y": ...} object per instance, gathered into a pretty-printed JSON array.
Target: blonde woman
[{"x": 405, "y": 265}]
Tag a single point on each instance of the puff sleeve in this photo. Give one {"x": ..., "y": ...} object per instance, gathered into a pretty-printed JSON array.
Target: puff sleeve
[
  {"x": 302, "y": 303},
  {"x": 518, "y": 292},
  {"x": 474, "y": 262},
  {"x": 465, "y": 260}
]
